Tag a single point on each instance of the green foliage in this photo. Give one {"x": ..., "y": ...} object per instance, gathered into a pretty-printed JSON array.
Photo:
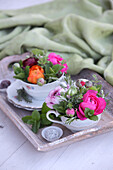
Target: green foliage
[
  {"x": 61, "y": 107},
  {"x": 38, "y": 52},
  {"x": 35, "y": 126},
  {"x": 21, "y": 73},
  {"x": 70, "y": 120},
  {"x": 51, "y": 71},
  {"x": 90, "y": 114},
  {"x": 33, "y": 120},
  {"x": 45, "y": 108},
  {"x": 20, "y": 76},
  {"x": 47, "y": 68},
  {"x": 56, "y": 68},
  {"x": 99, "y": 87},
  {"x": 94, "y": 117},
  {"x": 36, "y": 115},
  {"x": 21, "y": 63},
  {"x": 22, "y": 95},
  {"x": 93, "y": 88},
  {"x": 26, "y": 118},
  {"x": 27, "y": 72},
  {"x": 18, "y": 70},
  {"x": 38, "y": 120},
  {"x": 45, "y": 121}
]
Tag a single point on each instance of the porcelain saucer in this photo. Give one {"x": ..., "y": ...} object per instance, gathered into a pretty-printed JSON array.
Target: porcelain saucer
[{"x": 11, "y": 96}]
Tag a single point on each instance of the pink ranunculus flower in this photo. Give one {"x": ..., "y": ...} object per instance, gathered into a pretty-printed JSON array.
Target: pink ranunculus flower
[
  {"x": 91, "y": 101},
  {"x": 70, "y": 112},
  {"x": 54, "y": 58},
  {"x": 64, "y": 70},
  {"x": 53, "y": 97}
]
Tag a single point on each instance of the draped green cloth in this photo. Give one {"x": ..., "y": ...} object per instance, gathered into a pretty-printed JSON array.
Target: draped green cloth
[{"x": 81, "y": 31}]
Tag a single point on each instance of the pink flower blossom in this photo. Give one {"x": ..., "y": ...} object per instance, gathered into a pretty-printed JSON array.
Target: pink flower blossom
[
  {"x": 91, "y": 101},
  {"x": 54, "y": 58},
  {"x": 53, "y": 97},
  {"x": 64, "y": 70},
  {"x": 70, "y": 112}
]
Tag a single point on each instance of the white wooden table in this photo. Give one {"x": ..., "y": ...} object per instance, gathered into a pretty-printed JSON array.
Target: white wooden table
[{"x": 17, "y": 153}]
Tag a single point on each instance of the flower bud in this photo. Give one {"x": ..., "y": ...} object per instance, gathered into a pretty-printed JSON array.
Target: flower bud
[
  {"x": 80, "y": 83},
  {"x": 40, "y": 56},
  {"x": 70, "y": 112},
  {"x": 16, "y": 65},
  {"x": 68, "y": 96},
  {"x": 72, "y": 91},
  {"x": 41, "y": 81},
  {"x": 88, "y": 84}
]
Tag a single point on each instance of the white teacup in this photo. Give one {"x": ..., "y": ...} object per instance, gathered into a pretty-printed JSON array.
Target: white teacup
[
  {"x": 75, "y": 125},
  {"x": 40, "y": 92}
]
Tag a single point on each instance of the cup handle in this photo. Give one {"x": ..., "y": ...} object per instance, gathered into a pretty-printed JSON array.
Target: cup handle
[{"x": 56, "y": 114}]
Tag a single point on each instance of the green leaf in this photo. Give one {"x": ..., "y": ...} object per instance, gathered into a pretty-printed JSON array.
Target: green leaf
[
  {"x": 99, "y": 87},
  {"x": 45, "y": 121},
  {"x": 27, "y": 71},
  {"x": 91, "y": 113},
  {"x": 37, "y": 52},
  {"x": 26, "y": 118},
  {"x": 22, "y": 95},
  {"x": 20, "y": 76},
  {"x": 88, "y": 112},
  {"x": 94, "y": 117},
  {"x": 93, "y": 88},
  {"x": 94, "y": 76},
  {"x": 30, "y": 122},
  {"x": 21, "y": 63},
  {"x": 51, "y": 70},
  {"x": 70, "y": 105},
  {"x": 56, "y": 68},
  {"x": 47, "y": 68},
  {"x": 61, "y": 107},
  {"x": 45, "y": 108},
  {"x": 35, "y": 126},
  {"x": 18, "y": 70},
  {"x": 36, "y": 115},
  {"x": 58, "y": 108},
  {"x": 62, "y": 62}
]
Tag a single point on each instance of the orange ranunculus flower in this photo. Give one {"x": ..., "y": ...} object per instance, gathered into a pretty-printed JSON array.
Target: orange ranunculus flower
[
  {"x": 36, "y": 67},
  {"x": 35, "y": 73}
]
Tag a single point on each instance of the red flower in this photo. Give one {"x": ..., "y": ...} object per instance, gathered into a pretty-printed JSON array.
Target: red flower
[
  {"x": 82, "y": 83},
  {"x": 30, "y": 62}
]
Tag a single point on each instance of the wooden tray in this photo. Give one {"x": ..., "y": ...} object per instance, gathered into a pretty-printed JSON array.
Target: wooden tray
[{"x": 15, "y": 114}]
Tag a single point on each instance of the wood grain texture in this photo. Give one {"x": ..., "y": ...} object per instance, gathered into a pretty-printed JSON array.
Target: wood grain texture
[{"x": 15, "y": 114}]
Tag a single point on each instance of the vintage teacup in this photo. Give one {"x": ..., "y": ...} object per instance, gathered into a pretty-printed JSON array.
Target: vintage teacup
[
  {"x": 75, "y": 125},
  {"x": 41, "y": 92}
]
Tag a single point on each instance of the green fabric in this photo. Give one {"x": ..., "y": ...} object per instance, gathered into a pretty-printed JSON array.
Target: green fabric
[{"x": 81, "y": 31}]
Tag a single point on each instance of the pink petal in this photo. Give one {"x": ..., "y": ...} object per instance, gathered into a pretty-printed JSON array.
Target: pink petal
[
  {"x": 84, "y": 105},
  {"x": 101, "y": 106},
  {"x": 88, "y": 94},
  {"x": 80, "y": 116}
]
